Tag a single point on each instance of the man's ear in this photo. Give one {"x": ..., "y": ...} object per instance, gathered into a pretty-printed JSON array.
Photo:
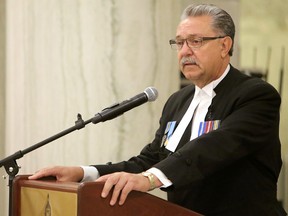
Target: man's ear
[{"x": 226, "y": 46}]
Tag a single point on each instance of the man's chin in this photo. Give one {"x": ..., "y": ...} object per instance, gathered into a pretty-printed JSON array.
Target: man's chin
[
  {"x": 192, "y": 75},
  {"x": 191, "y": 71}
]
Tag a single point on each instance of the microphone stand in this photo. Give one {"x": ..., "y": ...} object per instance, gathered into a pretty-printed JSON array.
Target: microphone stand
[{"x": 10, "y": 163}]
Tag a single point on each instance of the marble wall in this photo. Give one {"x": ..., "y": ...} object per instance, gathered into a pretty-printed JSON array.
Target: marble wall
[{"x": 67, "y": 57}]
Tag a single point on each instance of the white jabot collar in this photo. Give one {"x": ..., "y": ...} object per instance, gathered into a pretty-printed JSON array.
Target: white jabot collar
[{"x": 209, "y": 88}]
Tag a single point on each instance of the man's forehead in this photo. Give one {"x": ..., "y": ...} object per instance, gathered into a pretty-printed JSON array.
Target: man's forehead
[{"x": 199, "y": 25}]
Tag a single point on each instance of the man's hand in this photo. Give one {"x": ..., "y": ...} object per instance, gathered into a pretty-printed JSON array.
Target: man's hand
[
  {"x": 62, "y": 173},
  {"x": 123, "y": 184}
]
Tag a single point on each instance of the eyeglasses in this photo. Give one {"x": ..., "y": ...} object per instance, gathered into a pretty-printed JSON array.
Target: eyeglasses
[{"x": 192, "y": 42}]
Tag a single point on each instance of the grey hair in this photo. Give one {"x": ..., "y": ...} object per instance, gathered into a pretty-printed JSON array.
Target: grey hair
[{"x": 222, "y": 22}]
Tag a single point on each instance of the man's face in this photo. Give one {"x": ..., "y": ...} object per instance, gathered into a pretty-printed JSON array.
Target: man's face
[{"x": 208, "y": 60}]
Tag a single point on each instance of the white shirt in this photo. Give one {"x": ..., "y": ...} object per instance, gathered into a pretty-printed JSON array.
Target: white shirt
[{"x": 206, "y": 95}]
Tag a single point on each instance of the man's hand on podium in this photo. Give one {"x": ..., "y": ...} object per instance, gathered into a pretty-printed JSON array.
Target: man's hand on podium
[
  {"x": 124, "y": 183},
  {"x": 62, "y": 173}
]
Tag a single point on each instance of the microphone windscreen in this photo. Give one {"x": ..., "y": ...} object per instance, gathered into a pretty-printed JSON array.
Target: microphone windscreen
[{"x": 151, "y": 93}]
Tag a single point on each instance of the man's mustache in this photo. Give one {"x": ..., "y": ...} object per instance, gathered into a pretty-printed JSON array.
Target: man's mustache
[{"x": 187, "y": 60}]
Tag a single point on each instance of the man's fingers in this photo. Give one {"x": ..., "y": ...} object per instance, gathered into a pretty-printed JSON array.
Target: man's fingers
[
  {"x": 119, "y": 189},
  {"x": 126, "y": 190},
  {"x": 119, "y": 182},
  {"x": 123, "y": 184},
  {"x": 61, "y": 173},
  {"x": 41, "y": 173},
  {"x": 110, "y": 181}
]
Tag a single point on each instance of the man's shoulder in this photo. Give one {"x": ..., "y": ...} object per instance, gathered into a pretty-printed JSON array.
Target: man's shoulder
[{"x": 236, "y": 79}]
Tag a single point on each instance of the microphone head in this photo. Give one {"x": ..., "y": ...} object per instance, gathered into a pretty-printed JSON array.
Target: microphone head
[{"x": 151, "y": 93}]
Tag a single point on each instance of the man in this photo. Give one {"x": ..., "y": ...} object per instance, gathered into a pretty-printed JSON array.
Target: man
[{"x": 217, "y": 149}]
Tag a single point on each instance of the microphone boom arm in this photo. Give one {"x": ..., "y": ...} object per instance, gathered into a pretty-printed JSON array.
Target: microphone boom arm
[{"x": 10, "y": 163}]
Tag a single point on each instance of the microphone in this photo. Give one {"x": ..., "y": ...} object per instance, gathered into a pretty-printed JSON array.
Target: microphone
[{"x": 115, "y": 110}]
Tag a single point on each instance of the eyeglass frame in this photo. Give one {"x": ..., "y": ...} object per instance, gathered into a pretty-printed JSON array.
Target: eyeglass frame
[{"x": 176, "y": 47}]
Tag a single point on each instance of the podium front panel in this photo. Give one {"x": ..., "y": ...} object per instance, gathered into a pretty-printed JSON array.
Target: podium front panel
[
  {"x": 36, "y": 201},
  {"x": 44, "y": 197}
]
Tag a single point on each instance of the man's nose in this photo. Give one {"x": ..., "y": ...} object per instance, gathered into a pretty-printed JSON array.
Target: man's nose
[{"x": 186, "y": 49}]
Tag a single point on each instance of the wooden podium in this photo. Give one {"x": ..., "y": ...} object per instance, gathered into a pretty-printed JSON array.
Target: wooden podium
[{"x": 50, "y": 197}]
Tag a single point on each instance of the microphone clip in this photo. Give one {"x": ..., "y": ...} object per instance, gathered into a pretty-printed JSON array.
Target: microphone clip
[{"x": 79, "y": 123}]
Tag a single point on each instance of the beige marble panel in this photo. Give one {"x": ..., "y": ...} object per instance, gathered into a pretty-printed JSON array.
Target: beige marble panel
[
  {"x": 66, "y": 57},
  {"x": 69, "y": 57}
]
